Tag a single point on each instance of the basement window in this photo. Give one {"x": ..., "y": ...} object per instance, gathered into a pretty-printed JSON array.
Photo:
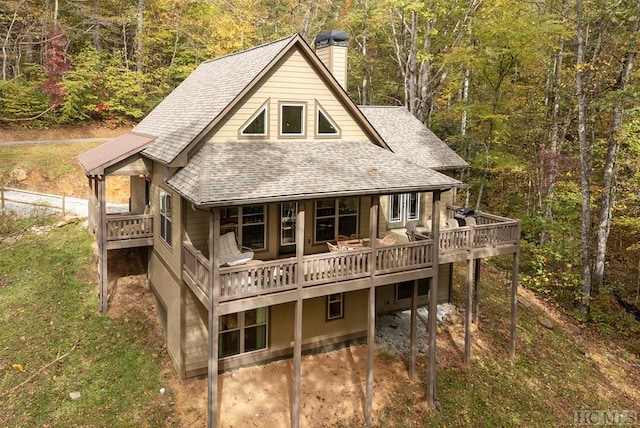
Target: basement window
[
  {"x": 404, "y": 290},
  {"x": 335, "y": 306},
  {"x": 242, "y": 332}
]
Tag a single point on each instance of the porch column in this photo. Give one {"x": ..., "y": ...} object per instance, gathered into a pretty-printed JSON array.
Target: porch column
[
  {"x": 514, "y": 301},
  {"x": 102, "y": 246},
  {"x": 214, "y": 301},
  {"x": 468, "y": 315},
  {"x": 433, "y": 299},
  {"x": 412, "y": 330},
  {"x": 476, "y": 292},
  {"x": 297, "y": 329},
  {"x": 371, "y": 308}
]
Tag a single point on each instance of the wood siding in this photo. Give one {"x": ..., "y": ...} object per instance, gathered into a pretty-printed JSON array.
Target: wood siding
[
  {"x": 292, "y": 80},
  {"x": 167, "y": 289}
]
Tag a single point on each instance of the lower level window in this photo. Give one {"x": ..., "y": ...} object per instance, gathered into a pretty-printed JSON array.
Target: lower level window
[
  {"x": 404, "y": 290},
  {"x": 242, "y": 332},
  {"x": 335, "y": 306}
]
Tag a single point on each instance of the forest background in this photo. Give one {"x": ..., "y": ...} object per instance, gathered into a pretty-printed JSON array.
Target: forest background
[{"x": 541, "y": 98}]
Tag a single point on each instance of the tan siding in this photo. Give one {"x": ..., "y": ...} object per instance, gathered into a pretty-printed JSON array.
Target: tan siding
[
  {"x": 171, "y": 255},
  {"x": 197, "y": 227},
  {"x": 299, "y": 82},
  {"x": 196, "y": 334},
  {"x": 168, "y": 291}
]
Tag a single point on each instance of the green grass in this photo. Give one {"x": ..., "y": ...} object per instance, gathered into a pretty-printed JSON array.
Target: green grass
[
  {"x": 48, "y": 307},
  {"x": 550, "y": 378}
]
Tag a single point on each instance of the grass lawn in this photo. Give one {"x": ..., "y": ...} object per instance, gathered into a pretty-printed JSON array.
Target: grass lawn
[{"x": 50, "y": 328}]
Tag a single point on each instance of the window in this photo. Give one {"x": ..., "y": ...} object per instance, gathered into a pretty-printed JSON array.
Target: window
[
  {"x": 253, "y": 226},
  {"x": 242, "y": 332},
  {"x": 257, "y": 125},
  {"x": 292, "y": 119},
  {"x": 335, "y": 306},
  {"x": 336, "y": 217},
  {"x": 247, "y": 222},
  {"x": 404, "y": 289},
  {"x": 404, "y": 208},
  {"x": 324, "y": 124},
  {"x": 165, "y": 216}
]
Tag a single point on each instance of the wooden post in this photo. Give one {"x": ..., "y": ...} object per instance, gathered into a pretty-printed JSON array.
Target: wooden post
[
  {"x": 371, "y": 311},
  {"x": 297, "y": 329},
  {"x": 433, "y": 299},
  {"x": 214, "y": 301},
  {"x": 412, "y": 330},
  {"x": 514, "y": 303},
  {"x": 468, "y": 315},
  {"x": 63, "y": 207},
  {"x": 1, "y": 193},
  {"x": 297, "y": 357},
  {"x": 102, "y": 246},
  {"x": 476, "y": 292}
]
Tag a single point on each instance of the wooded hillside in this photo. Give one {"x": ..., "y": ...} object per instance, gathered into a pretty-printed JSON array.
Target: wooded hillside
[{"x": 540, "y": 97}]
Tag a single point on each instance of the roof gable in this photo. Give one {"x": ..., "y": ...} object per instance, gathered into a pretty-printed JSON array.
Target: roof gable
[
  {"x": 96, "y": 160},
  {"x": 202, "y": 100},
  {"x": 202, "y": 97}
]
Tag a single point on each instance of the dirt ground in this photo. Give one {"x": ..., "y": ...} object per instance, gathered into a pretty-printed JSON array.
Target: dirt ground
[{"x": 333, "y": 383}]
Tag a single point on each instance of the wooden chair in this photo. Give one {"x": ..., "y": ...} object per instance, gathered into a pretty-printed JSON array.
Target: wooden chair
[{"x": 332, "y": 247}]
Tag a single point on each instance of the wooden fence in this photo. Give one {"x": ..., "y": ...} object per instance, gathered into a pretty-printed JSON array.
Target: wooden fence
[{"x": 4, "y": 199}]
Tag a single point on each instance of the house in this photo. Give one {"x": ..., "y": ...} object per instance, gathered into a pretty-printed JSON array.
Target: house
[{"x": 246, "y": 176}]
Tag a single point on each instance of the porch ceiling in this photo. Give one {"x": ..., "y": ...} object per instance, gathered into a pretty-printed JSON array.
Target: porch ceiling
[
  {"x": 95, "y": 161},
  {"x": 237, "y": 173}
]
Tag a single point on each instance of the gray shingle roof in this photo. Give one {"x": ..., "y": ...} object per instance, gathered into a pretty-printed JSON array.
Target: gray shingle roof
[
  {"x": 201, "y": 97},
  {"x": 260, "y": 171},
  {"x": 408, "y": 137}
]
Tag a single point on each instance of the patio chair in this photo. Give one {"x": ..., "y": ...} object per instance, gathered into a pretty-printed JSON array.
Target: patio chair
[
  {"x": 230, "y": 253},
  {"x": 411, "y": 231},
  {"x": 452, "y": 223},
  {"x": 389, "y": 239}
]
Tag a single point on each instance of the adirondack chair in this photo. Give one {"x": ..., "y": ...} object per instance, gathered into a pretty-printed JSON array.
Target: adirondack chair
[{"x": 230, "y": 252}]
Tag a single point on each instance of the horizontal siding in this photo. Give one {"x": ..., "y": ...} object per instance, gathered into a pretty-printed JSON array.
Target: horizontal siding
[
  {"x": 168, "y": 291},
  {"x": 197, "y": 228},
  {"x": 293, "y": 80},
  {"x": 196, "y": 352},
  {"x": 171, "y": 255}
]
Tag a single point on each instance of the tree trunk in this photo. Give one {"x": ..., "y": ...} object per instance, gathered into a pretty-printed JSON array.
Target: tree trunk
[
  {"x": 609, "y": 175},
  {"x": 139, "y": 30},
  {"x": 584, "y": 161}
]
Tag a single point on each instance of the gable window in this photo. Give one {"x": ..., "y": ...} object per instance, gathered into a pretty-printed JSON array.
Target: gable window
[
  {"x": 336, "y": 217},
  {"x": 335, "y": 306},
  {"x": 292, "y": 119},
  {"x": 324, "y": 124},
  {"x": 257, "y": 125},
  {"x": 242, "y": 332},
  {"x": 248, "y": 223},
  {"x": 165, "y": 216},
  {"x": 404, "y": 290}
]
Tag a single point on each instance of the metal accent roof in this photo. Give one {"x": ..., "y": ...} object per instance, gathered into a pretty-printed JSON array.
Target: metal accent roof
[{"x": 96, "y": 160}]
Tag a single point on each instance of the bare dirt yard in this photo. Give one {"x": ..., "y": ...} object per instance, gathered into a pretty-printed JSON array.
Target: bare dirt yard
[{"x": 333, "y": 383}]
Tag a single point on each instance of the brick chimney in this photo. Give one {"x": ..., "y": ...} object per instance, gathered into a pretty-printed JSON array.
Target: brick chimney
[{"x": 331, "y": 48}]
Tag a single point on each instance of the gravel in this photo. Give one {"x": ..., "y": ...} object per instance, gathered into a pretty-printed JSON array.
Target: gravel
[
  {"x": 392, "y": 331},
  {"x": 22, "y": 204}
]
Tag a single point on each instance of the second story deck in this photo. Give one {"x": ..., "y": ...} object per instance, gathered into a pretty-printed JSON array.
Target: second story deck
[{"x": 276, "y": 281}]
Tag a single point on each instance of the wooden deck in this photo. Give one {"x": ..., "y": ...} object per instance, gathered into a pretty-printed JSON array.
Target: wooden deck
[
  {"x": 353, "y": 269},
  {"x": 123, "y": 230}
]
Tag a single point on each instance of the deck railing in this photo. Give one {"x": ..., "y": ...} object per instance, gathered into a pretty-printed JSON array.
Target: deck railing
[
  {"x": 280, "y": 275},
  {"x": 120, "y": 227},
  {"x": 324, "y": 268}
]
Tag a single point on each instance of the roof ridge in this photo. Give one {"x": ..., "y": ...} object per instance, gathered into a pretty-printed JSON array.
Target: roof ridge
[{"x": 264, "y": 45}]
